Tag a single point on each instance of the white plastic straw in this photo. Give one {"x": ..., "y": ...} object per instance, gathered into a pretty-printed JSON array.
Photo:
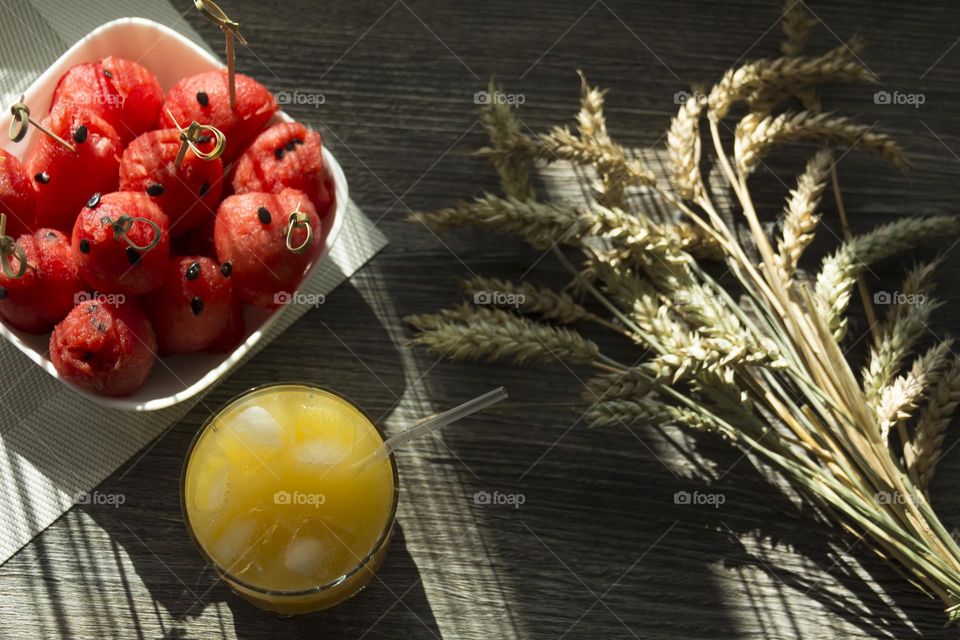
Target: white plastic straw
[{"x": 434, "y": 422}]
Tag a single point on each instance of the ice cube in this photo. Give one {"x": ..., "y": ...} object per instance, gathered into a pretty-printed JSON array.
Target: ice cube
[
  {"x": 210, "y": 493},
  {"x": 235, "y": 542},
  {"x": 320, "y": 454},
  {"x": 257, "y": 429},
  {"x": 305, "y": 555}
]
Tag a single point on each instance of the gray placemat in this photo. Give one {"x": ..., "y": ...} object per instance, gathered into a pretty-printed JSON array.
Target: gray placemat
[{"x": 56, "y": 445}]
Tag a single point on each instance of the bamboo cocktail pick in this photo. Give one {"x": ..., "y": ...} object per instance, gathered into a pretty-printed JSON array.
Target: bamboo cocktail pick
[
  {"x": 123, "y": 225},
  {"x": 298, "y": 219},
  {"x": 192, "y": 135},
  {"x": 231, "y": 31},
  {"x": 8, "y": 249},
  {"x": 22, "y": 121}
]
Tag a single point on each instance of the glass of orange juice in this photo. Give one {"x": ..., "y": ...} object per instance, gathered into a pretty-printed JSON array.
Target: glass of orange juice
[{"x": 273, "y": 497}]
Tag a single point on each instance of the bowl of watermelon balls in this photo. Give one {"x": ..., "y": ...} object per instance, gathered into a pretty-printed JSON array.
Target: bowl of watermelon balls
[{"x": 155, "y": 229}]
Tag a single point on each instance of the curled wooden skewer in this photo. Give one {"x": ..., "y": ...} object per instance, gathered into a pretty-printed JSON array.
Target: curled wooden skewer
[
  {"x": 22, "y": 121},
  {"x": 298, "y": 219},
  {"x": 8, "y": 249},
  {"x": 123, "y": 224},
  {"x": 190, "y": 136}
]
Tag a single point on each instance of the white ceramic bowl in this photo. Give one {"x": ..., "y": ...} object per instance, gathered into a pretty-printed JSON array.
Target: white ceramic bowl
[{"x": 171, "y": 57}]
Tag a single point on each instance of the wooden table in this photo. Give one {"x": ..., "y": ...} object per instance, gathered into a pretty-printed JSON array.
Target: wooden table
[{"x": 598, "y": 549}]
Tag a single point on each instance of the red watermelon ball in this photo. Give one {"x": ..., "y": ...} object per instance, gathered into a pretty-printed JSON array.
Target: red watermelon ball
[
  {"x": 104, "y": 347},
  {"x": 205, "y": 98},
  {"x": 287, "y": 155},
  {"x": 193, "y": 306},
  {"x": 64, "y": 179},
  {"x": 18, "y": 200},
  {"x": 250, "y": 233},
  {"x": 49, "y": 287},
  {"x": 122, "y": 92},
  {"x": 188, "y": 195},
  {"x": 107, "y": 262}
]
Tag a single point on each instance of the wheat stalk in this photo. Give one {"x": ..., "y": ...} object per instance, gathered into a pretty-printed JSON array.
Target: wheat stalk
[
  {"x": 615, "y": 386},
  {"x": 684, "y": 148},
  {"x": 796, "y": 24},
  {"x": 932, "y": 424},
  {"x": 756, "y": 134},
  {"x": 840, "y": 270},
  {"x": 899, "y": 399},
  {"x": 627, "y": 412},
  {"x": 543, "y": 225},
  {"x": 610, "y": 161},
  {"x": 800, "y": 217},
  {"x": 888, "y": 355},
  {"x": 493, "y": 334},
  {"x": 755, "y": 81},
  {"x": 527, "y": 298},
  {"x": 503, "y": 128}
]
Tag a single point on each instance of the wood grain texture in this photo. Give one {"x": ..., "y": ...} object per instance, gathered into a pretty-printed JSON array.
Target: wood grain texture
[{"x": 598, "y": 549}]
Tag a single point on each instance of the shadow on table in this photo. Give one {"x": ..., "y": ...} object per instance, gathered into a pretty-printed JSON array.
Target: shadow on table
[
  {"x": 602, "y": 520},
  {"x": 807, "y": 556}
]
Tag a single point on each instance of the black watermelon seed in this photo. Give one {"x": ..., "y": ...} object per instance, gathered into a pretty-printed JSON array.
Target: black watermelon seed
[
  {"x": 84, "y": 246},
  {"x": 105, "y": 220},
  {"x": 133, "y": 256},
  {"x": 290, "y": 146},
  {"x": 80, "y": 135},
  {"x": 107, "y": 73},
  {"x": 50, "y": 235},
  {"x": 226, "y": 269},
  {"x": 204, "y": 188},
  {"x": 278, "y": 153},
  {"x": 203, "y": 98},
  {"x": 43, "y": 177},
  {"x": 99, "y": 326},
  {"x": 193, "y": 271},
  {"x": 264, "y": 215},
  {"x": 155, "y": 190},
  {"x": 3, "y": 293},
  {"x": 92, "y": 307},
  {"x": 196, "y": 305},
  {"x": 94, "y": 201},
  {"x": 298, "y": 141}
]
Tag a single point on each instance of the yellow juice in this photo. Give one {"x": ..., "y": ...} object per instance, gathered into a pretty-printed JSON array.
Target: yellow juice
[{"x": 273, "y": 497}]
